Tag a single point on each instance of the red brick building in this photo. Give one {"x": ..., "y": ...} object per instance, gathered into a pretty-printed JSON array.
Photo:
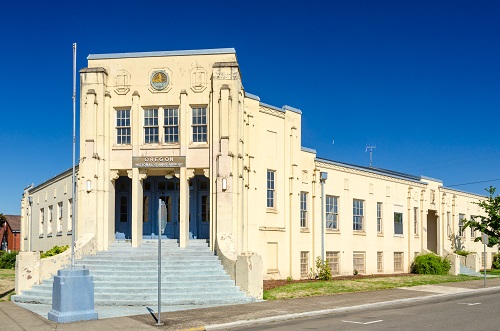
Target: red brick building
[{"x": 10, "y": 233}]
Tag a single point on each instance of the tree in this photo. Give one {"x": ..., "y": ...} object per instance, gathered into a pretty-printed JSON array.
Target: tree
[{"x": 489, "y": 224}]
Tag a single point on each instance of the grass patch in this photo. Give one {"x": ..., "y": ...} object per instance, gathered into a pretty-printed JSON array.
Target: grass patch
[
  {"x": 493, "y": 272},
  {"x": 316, "y": 288},
  {"x": 7, "y": 283}
]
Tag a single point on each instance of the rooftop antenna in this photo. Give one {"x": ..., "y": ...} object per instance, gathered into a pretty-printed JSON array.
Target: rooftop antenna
[{"x": 371, "y": 148}]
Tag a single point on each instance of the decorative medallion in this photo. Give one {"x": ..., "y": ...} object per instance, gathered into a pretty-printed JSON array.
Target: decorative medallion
[{"x": 159, "y": 80}]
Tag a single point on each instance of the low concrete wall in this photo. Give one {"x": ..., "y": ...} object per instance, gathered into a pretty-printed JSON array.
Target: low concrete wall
[
  {"x": 472, "y": 261},
  {"x": 31, "y": 270},
  {"x": 245, "y": 269},
  {"x": 455, "y": 263}
]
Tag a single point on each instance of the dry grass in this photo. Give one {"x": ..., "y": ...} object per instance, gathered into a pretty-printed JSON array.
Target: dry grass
[
  {"x": 7, "y": 281},
  {"x": 336, "y": 286}
]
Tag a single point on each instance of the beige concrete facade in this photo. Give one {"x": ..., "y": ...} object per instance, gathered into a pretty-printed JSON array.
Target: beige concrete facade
[{"x": 247, "y": 185}]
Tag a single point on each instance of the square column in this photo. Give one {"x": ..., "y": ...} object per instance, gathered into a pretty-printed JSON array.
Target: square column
[
  {"x": 137, "y": 175},
  {"x": 184, "y": 176}
]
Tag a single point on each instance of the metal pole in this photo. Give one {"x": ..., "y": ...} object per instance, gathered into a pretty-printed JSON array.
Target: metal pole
[
  {"x": 322, "y": 220},
  {"x": 159, "y": 262},
  {"x": 484, "y": 262},
  {"x": 73, "y": 180}
]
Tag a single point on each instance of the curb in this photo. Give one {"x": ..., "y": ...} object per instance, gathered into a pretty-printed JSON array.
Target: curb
[{"x": 281, "y": 318}]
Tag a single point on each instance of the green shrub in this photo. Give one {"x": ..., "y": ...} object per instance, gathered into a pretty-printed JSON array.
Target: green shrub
[
  {"x": 462, "y": 252},
  {"x": 54, "y": 251},
  {"x": 496, "y": 261},
  {"x": 323, "y": 269},
  {"x": 430, "y": 264},
  {"x": 8, "y": 260}
]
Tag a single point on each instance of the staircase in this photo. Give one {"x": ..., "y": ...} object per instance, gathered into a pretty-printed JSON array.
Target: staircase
[
  {"x": 126, "y": 276},
  {"x": 468, "y": 271}
]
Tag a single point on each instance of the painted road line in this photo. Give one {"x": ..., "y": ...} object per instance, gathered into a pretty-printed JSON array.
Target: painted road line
[{"x": 363, "y": 323}]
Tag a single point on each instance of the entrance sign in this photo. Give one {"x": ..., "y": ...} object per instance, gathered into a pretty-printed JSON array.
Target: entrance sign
[
  {"x": 158, "y": 162},
  {"x": 163, "y": 217}
]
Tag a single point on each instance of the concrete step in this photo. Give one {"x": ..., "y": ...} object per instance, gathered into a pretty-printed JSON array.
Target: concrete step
[{"x": 129, "y": 276}]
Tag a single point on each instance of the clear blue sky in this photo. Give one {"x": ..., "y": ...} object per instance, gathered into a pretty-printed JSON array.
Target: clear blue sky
[{"x": 418, "y": 79}]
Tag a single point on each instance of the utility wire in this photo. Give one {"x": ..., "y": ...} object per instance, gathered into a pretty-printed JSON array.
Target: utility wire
[{"x": 483, "y": 181}]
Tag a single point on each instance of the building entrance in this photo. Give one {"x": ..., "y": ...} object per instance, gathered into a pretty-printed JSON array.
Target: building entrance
[
  {"x": 158, "y": 188},
  {"x": 168, "y": 190}
]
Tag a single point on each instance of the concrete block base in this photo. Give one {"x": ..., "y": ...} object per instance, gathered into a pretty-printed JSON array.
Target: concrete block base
[{"x": 72, "y": 296}]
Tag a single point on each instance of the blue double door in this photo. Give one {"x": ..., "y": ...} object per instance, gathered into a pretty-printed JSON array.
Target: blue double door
[{"x": 158, "y": 189}]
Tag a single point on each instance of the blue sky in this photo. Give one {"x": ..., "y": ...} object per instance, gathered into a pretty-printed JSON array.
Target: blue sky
[{"x": 418, "y": 79}]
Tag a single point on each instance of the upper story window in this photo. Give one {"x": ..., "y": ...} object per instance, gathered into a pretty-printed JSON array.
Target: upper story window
[
  {"x": 332, "y": 213},
  {"x": 123, "y": 127},
  {"x": 415, "y": 221},
  {"x": 150, "y": 126},
  {"x": 199, "y": 124},
  {"x": 461, "y": 231},
  {"x": 379, "y": 217},
  {"x": 303, "y": 209},
  {"x": 171, "y": 125},
  {"x": 357, "y": 215},
  {"x": 271, "y": 189},
  {"x": 398, "y": 223}
]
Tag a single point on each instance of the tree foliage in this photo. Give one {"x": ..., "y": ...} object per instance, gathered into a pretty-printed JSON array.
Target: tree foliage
[{"x": 490, "y": 223}]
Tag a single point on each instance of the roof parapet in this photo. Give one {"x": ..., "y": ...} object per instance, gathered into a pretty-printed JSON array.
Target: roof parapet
[{"x": 161, "y": 53}]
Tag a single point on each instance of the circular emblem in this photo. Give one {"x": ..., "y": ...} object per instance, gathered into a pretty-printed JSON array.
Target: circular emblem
[{"x": 159, "y": 80}]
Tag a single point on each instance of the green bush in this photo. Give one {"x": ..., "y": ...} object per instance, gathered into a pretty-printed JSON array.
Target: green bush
[
  {"x": 430, "y": 264},
  {"x": 323, "y": 269},
  {"x": 496, "y": 261},
  {"x": 8, "y": 260},
  {"x": 54, "y": 251},
  {"x": 462, "y": 252}
]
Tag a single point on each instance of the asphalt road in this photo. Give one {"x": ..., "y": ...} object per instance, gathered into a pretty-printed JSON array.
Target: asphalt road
[{"x": 469, "y": 312}]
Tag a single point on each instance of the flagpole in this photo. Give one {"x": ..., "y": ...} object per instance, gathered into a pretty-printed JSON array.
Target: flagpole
[{"x": 73, "y": 181}]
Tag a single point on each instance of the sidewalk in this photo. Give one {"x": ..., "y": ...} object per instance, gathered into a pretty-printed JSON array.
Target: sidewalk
[{"x": 14, "y": 317}]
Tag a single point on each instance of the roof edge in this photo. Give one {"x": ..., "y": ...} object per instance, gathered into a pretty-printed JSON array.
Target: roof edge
[{"x": 161, "y": 53}]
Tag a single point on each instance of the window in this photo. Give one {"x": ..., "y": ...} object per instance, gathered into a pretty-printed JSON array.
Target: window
[
  {"x": 303, "y": 209},
  {"x": 271, "y": 189},
  {"x": 379, "y": 217},
  {"x": 171, "y": 125},
  {"x": 59, "y": 217},
  {"x": 145, "y": 209},
  {"x": 380, "y": 264},
  {"x": 70, "y": 215},
  {"x": 472, "y": 230},
  {"x": 332, "y": 213},
  {"x": 150, "y": 126},
  {"x": 398, "y": 223},
  {"x": 461, "y": 231},
  {"x": 448, "y": 227},
  {"x": 358, "y": 262},
  {"x": 123, "y": 127},
  {"x": 357, "y": 215},
  {"x": 205, "y": 208},
  {"x": 483, "y": 259},
  {"x": 199, "y": 125},
  {"x": 304, "y": 264},
  {"x": 49, "y": 225},
  {"x": 42, "y": 221},
  {"x": 333, "y": 260},
  {"x": 398, "y": 261},
  {"x": 123, "y": 209},
  {"x": 415, "y": 221}
]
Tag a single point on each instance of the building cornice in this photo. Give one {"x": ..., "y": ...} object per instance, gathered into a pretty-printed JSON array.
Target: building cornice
[
  {"x": 461, "y": 193},
  {"x": 52, "y": 180},
  {"x": 162, "y": 53},
  {"x": 365, "y": 172},
  {"x": 270, "y": 110}
]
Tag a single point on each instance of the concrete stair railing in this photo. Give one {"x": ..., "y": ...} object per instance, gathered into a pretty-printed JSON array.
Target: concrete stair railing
[{"x": 126, "y": 276}]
